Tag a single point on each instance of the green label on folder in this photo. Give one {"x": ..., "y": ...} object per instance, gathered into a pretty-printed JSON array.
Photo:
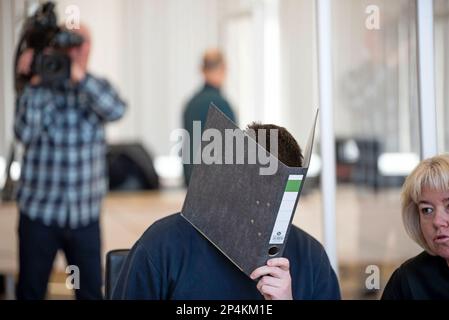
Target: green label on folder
[{"x": 293, "y": 186}]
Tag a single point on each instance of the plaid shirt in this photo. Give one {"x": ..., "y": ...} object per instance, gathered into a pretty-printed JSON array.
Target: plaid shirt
[{"x": 63, "y": 176}]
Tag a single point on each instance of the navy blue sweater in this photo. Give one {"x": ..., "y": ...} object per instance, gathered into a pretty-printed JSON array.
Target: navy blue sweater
[{"x": 172, "y": 260}]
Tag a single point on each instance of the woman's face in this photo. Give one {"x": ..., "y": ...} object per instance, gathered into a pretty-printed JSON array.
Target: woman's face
[{"x": 433, "y": 210}]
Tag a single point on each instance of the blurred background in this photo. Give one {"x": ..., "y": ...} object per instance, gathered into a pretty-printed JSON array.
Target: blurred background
[{"x": 151, "y": 51}]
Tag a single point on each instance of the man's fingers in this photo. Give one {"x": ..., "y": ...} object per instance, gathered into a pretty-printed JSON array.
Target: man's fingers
[
  {"x": 270, "y": 281},
  {"x": 266, "y": 270},
  {"x": 35, "y": 80},
  {"x": 267, "y": 290},
  {"x": 24, "y": 63},
  {"x": 275, "y": 279},
  {"x": 282, "y": 263},
  {"x": 267, "y": 297}
]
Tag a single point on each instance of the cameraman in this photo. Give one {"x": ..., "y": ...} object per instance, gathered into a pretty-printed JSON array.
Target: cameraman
[{"x": 63, "y": 177}]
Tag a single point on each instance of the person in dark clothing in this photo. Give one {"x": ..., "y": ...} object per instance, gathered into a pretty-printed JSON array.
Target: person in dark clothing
[
  {"x": 214, "y": 72},
  {"x": 425, "y": 212},
  {"x": 424, "y": 277},
  {"x": 172, "y": 260}
]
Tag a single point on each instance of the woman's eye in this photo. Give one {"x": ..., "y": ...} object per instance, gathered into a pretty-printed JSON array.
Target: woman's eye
[{"x": 426, "y": 211}]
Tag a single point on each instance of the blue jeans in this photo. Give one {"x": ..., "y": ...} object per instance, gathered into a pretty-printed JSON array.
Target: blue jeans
[{"x": 38, "y": 245}]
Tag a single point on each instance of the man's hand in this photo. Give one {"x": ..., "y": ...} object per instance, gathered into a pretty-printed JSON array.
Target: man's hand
[
  {"x": 77, "y": 73},
  {"x": 275, "y": 282},
  {"x": 24, "y": 66},
  {"x": 24, "y": 62}
]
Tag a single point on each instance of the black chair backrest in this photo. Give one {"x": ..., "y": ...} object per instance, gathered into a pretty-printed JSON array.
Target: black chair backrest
[
  {"x": 114, "y": 262},
  {"x": 130, "y": 168}
]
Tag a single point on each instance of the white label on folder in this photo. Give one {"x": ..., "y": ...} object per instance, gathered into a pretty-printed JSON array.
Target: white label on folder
[
  {"x": 286, "y": 209},
  {"x": 295, "y": 177}
]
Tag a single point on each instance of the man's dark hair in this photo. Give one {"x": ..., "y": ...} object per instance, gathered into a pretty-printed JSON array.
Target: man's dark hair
[{"x": 289, "y": 151}]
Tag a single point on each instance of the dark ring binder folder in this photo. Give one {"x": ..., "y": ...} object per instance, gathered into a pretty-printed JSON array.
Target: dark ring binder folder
[{"x": 245, "y": 214}]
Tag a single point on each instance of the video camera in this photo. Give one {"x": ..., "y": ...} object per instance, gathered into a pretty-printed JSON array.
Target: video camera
[{"x": 50, "y": 43}]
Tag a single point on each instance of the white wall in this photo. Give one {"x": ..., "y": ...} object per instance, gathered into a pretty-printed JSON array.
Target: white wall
[
  {"x": 150, "y": 49},
  {"x": 9, "y": 33},
  {"x": 299, "y": 66}
]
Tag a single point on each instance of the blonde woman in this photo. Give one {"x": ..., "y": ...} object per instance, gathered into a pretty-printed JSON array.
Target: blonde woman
[{"x": 425, "y": 213}]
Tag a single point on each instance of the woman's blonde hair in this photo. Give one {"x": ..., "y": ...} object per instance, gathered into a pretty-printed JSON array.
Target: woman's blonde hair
[{"x": 432, "y": 173}]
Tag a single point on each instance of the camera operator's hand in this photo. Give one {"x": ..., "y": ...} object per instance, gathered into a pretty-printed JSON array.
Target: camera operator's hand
[
  {"x": 24, "y": 62},
  {"x": 24, "y": 66},
  {"x": 77, "y": 73}
]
